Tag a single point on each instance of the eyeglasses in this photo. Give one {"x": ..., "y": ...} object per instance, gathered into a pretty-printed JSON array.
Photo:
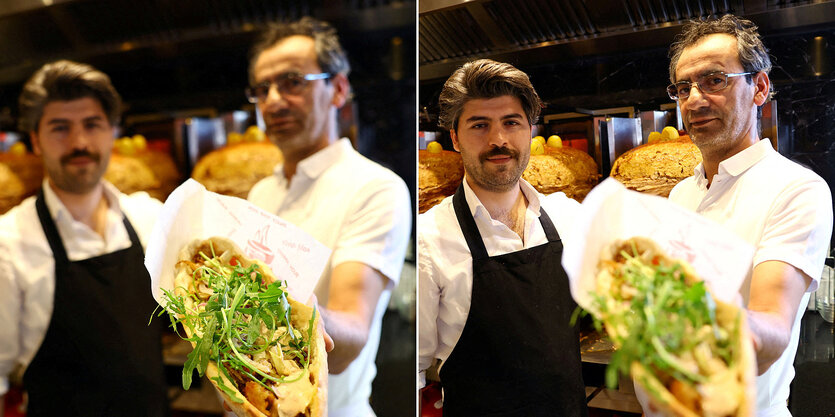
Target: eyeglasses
[
  {"x": 709, "y": 83},
  {"x": 291, "y": 83}
]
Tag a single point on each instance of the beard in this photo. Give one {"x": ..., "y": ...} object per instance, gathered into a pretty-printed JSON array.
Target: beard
[
  {"x": 74, "y": 179},
  {"x": 495, "y": 177}
]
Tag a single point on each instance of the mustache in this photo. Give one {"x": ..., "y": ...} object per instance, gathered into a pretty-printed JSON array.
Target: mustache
[
  {"x": 700, "y": 113},
  {"x": 80, "y": 153},
  {"x": 496, "y": 151}
]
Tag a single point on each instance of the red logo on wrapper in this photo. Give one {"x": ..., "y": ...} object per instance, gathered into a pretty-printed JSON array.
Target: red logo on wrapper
[{"x": 257, "y": 248}]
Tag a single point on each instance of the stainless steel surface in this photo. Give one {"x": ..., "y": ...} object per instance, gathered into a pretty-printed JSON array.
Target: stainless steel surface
[
  {"x": 535, "y": 31},
  {"x": 654, "y": 121}
]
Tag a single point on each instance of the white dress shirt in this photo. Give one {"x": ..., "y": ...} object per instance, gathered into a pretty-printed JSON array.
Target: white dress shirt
[
  {"x": 27, "y": 266},
  {"x": 445, "y": 267},
  {"x": 785, "y": 211},
  {"x": 362, "y": 212}
]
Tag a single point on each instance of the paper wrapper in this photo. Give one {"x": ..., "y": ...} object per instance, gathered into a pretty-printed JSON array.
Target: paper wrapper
[
  {"x": 611, "y": 212},
  {"x": 191, "y": 212}
]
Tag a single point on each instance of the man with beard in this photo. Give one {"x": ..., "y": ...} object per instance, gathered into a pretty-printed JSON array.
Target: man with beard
[
  {"x": 75, "y": 298},
  {"x": 352, "y": 205},
  {"x": 719, "y": 70},
  {"x": 494, "y": 301}
]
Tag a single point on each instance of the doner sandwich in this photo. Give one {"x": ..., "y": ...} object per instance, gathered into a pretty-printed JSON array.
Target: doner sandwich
[
  {"x": 690, "y": 353},
  {"x": 261, "y": 349}
]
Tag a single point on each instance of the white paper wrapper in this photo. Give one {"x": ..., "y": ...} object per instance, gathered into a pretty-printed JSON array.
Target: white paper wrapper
[
  {"x": 191, "y": 212},
  {"x": 611, "y": 212}
]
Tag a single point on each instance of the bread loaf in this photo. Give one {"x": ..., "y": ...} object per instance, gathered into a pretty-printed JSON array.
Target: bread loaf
[{"x": 656, "y": 168}]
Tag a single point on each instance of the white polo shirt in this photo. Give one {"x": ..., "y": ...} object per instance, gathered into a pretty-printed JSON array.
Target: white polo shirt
[
  {"x": 445, "y": 265},
  {"x": 785, "y": 211},
  {"x": 361, "y": 211}
]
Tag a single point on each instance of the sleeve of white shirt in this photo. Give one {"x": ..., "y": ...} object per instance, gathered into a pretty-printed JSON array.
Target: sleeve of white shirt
[
  {"x": 377, "y": 229},
  {"x": 10, "y": 309},
  {"x": 428, "y": 301},
  {"x": 798, "y": 229}
]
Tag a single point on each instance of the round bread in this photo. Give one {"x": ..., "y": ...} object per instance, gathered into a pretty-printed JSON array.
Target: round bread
[
  {"x": 11, "y": 189},
  {"x": 439, "y": 175},
  {"x": 300, "y": 315},
  {"x": 164, "y": 169},
  {"x": 21, "y": 177},
  {"x": 656, "y": 168},
  {"x": 568, "y": 170},
  {"x": 130, "y": 174},
  {"x": 234, "y": 169}
]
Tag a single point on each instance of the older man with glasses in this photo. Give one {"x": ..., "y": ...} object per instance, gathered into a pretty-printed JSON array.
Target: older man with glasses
[
  {"x": 360, "y": 210},
  {"x": 719, "y": 70}
]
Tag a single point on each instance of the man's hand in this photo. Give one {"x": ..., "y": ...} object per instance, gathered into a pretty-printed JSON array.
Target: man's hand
[
  {"x": 776, "y": 291},
  {"x": 313, "y": 301},
  {"x": 355, "y": 289}
]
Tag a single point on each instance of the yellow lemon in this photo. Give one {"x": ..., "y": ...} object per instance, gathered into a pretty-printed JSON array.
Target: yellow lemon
[
  {"x": 654, "y": 137},
  {"x": 18, "y": 148},
  {"x": 254, "y": 134},
  {"x": 539, "y": 139},
  {"x": 233, "y": 138},
  {"x": 669, "y": 133},
  {"x": 139, "y": 142},
  {"x": 537, "y": 148},
  {"x": 434, "y": 147},
  {"x": 554, "y": 141},
  {"x": 125, "y": 146}
]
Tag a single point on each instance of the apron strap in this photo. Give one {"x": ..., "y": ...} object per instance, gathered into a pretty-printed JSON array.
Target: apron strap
[
  {"x": 51, "y": 232},
  {"x": 550, "y": 231},
  {"x": 467, "y": 224}
]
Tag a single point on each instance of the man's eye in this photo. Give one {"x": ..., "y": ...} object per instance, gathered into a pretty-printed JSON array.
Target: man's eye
[
  {"x": 512, "y": 123},
  {"x": 478, "y": 126},
  {"x": 294, "y": 82},
  {"x": 714, "y": 81},
  {"x": 683, "y": 88},
  {"x": 59, "y": 128}
]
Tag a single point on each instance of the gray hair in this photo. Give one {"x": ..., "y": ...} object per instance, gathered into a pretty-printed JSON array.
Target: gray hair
[
  {"x": 65, "y": 81},
  {"x": 486, "y": 79},
  {"x": 752, "y": 53},
  {"x": 329, "y": 53}
]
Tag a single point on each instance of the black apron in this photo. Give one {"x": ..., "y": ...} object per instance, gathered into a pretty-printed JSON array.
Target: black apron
[
  {"x": 517, "y": 355},
  {"x": 99, "y": 356}
]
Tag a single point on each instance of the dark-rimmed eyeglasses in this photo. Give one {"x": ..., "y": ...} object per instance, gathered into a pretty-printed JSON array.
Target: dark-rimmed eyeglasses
[
  {"x": 291, "y": 83},
  {"x": 709, "y": 83}
]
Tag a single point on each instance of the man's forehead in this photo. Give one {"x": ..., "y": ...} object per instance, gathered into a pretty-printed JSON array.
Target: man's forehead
[
  {"x": 293, "y": 53},
  {"x": 77, "y": 109},
  {"x": 713, "y": 52},
  {"x": 496, "y": 107}
]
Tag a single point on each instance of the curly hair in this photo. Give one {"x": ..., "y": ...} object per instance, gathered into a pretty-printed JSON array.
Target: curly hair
[
  {"x": 752, "y": 53},
  {"x": 485, "y": 79},
  {"x": 66, "y": 81},
  {"x": 330, "y": 55}
]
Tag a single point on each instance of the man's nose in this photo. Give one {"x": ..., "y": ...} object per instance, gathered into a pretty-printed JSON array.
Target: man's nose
[
  {"x": 274, "y": 97},
  {"x": 696, "y": 99},
  {"x": 80, "y": 138},
  {"x": 497, "y": 137}
]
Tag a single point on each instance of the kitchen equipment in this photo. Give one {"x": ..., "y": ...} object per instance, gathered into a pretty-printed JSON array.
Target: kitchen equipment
[{"x": 825, "y": 294}]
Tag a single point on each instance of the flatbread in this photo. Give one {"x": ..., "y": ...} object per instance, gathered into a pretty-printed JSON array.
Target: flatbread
[
  {"x": 729, "y": 392},
  {"x": 300, "y": 317}
]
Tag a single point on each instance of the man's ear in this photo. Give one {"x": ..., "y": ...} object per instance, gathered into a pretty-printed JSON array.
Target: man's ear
[
  {"x": 763, "y": 87},
  {"x": 341, "y": 90},
  {"x": 454, "y": 137},
  {"x": 36, "y": 142}
]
